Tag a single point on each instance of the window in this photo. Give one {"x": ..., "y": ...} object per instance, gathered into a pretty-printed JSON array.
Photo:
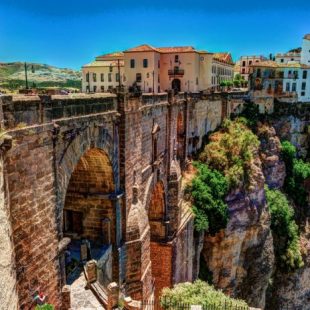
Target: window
[
  {"x": 250, "y": 62},
  {"x": 117, "y": 77},
  {"x": 292, "y": 59},
  {"x": 196, "y": 80},
  {"x": 147, "y": 75},
  {"x": 158, "y": 64},
  {"x": 102, "y": 89},
  {"x": 138, "y": 77},
  {"x": 243, "y": 64},
  {"x": 243, "y": 70},
  {"x": 303, "y": 86},
  {"x": 132, "y": 63},
  {"x": 87, "y": 89},
  {"x": 158, "y": 78},
  {"x": 282, "y": 60},
  {"x": 102, "y": 77},
  {"x": 111, "y": 69},
  {"x": 294, "y": 87},
  {"x": 176, "y": 58},
  {"x": 94, "y": 77},
  {"x": 95, "y": 89},
  {"x": 304, "y": 74},
  {"x": 145, "y": 63},
  {"x": 287, "y": 87},
  {"x": 87, "y": 77},
  {"x": 303, "y": 93},
  {"x": 110, "y": 77}
]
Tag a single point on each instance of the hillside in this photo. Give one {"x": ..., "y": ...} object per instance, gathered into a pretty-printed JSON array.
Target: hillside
[{"x": 12, "y": 76}]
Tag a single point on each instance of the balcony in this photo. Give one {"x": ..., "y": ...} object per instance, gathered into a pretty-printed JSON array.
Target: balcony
[{"x": 176, "y": 72}]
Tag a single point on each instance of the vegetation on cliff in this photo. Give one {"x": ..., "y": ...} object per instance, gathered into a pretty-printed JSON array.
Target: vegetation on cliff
[
  {"x": 285, "y": 231},
  {"x": 297, "y": 171},
  {"x": 208, "y": 190},
  {"x": 199, "y": 293},
  {"x": 231, "y": 151}
]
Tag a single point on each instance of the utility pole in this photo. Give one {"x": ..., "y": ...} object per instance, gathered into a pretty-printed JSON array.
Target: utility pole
[{"x": 26, "y": 77}]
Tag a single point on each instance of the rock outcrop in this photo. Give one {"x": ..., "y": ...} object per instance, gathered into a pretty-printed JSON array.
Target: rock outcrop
[
  {"x": 241, "y": 257},
  {"x": 270, "y": 148}
]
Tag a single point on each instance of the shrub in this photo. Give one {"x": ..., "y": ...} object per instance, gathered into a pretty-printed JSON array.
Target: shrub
[
  {"x": 44, "y": 307},
  {"x": 297, "y": 171},
  {"x": 197, "y": 293},
  {"x": 285, "y": 231},
  {"x": 208, "y": 190},
  {"x": 231, "y": 151}
]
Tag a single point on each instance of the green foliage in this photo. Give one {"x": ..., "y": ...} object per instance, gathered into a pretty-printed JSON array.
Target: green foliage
[
  {"x": 285, "y": 231},
  {"x": 208, "y": 190},
  {"x": 251, "y": 113},
  {"x": 297, "y": 171},
  {"x": 197, "y": 293},
  {"x": 231, "y": 151},
  {"x": 44, "y": 307}
]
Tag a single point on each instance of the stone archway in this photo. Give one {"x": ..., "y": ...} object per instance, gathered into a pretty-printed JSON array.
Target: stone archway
[{"x": 89, "y": 217}]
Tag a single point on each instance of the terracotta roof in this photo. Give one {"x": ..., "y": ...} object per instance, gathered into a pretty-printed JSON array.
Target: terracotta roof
[
  {"x": 266, "y": 63},
  {"x": 104, "y": 63},
  {"x": 176, "y": 49},
  {"x": 119, "y": 55},
  {"x": 142, "y": 48},
  {"x": 225, "y": 57},
  {"x": 307, "y": 36},
  {"x": 273, "y": 64}
]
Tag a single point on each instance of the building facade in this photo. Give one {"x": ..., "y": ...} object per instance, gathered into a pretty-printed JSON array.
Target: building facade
[
  {"x": 155, "y": 70},
  {"x": 292, "y": 56},
  {"x": 104, "y": 74},
  {"x": 245, "y": 63}
]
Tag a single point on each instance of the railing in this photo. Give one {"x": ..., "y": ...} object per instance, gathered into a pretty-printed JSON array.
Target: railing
[
  {"x": 168, "y": 304},
  {"x": 154, "y": 98},
  {"x": 176, "y": 72}
]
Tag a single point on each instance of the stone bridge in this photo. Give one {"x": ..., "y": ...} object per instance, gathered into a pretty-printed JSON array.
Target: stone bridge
[{"x": 104, "y": 168}]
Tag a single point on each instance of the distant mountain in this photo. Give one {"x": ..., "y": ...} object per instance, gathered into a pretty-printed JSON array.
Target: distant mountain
[{"x": 12, "y": 76}]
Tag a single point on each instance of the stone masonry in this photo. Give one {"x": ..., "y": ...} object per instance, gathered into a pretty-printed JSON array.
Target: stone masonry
[{"x": 113, "y": 159}]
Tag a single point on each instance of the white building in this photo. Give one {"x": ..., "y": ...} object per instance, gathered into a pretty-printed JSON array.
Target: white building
[
  {"x": 285, "y": 58},
  {"x": 305, "y": 50},
  {"x": 297, "y": 79},
  {"x": 103, "y": 74}
]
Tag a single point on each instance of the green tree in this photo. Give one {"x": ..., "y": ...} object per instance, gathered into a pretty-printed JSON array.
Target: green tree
[
  {"x": 285, "y": 231},
  {"x": 208, "y": 190}
]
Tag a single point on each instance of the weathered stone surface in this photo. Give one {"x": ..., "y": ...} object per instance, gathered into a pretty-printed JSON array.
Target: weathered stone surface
[
  {"x": 270, "y": 152},
  {"x": 241, "y": 257}
]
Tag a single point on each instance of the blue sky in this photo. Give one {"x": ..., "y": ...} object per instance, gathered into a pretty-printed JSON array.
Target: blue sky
[{"x": 69, "y": 33}]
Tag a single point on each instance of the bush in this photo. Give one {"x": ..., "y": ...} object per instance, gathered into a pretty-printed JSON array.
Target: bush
[
  {"x": 231, "y": 151},
  {"x": 44, "y": 307},
  {"x": 297, "y": 171},
  {"x": 197, "y": 293},
  {"x": 208, "y": 190},
  {"x": 285, "y": 231}
]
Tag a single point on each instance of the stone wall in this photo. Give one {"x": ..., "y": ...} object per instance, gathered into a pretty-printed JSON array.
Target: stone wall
[
  {"x": 146, "y": 143},
  {"x": 30, "y": 175},
  {"x": 8, "y": 293}
]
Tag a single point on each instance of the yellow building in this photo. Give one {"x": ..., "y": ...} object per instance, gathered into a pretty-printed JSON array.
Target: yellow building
[{"x": 104, "y": 74}]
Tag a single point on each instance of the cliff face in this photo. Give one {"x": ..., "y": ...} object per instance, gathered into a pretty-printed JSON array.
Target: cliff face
[
  {"x": 292, "y": 290},
  {"x": 270, "y": 148},
  {"x": 241, "y": 257}
]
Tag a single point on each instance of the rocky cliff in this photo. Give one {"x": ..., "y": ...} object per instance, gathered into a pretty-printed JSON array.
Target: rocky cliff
[{"x": 241, "y": 257}]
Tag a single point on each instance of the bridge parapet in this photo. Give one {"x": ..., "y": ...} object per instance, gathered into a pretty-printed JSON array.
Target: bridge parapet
[{"x": 21, "y": 111}]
